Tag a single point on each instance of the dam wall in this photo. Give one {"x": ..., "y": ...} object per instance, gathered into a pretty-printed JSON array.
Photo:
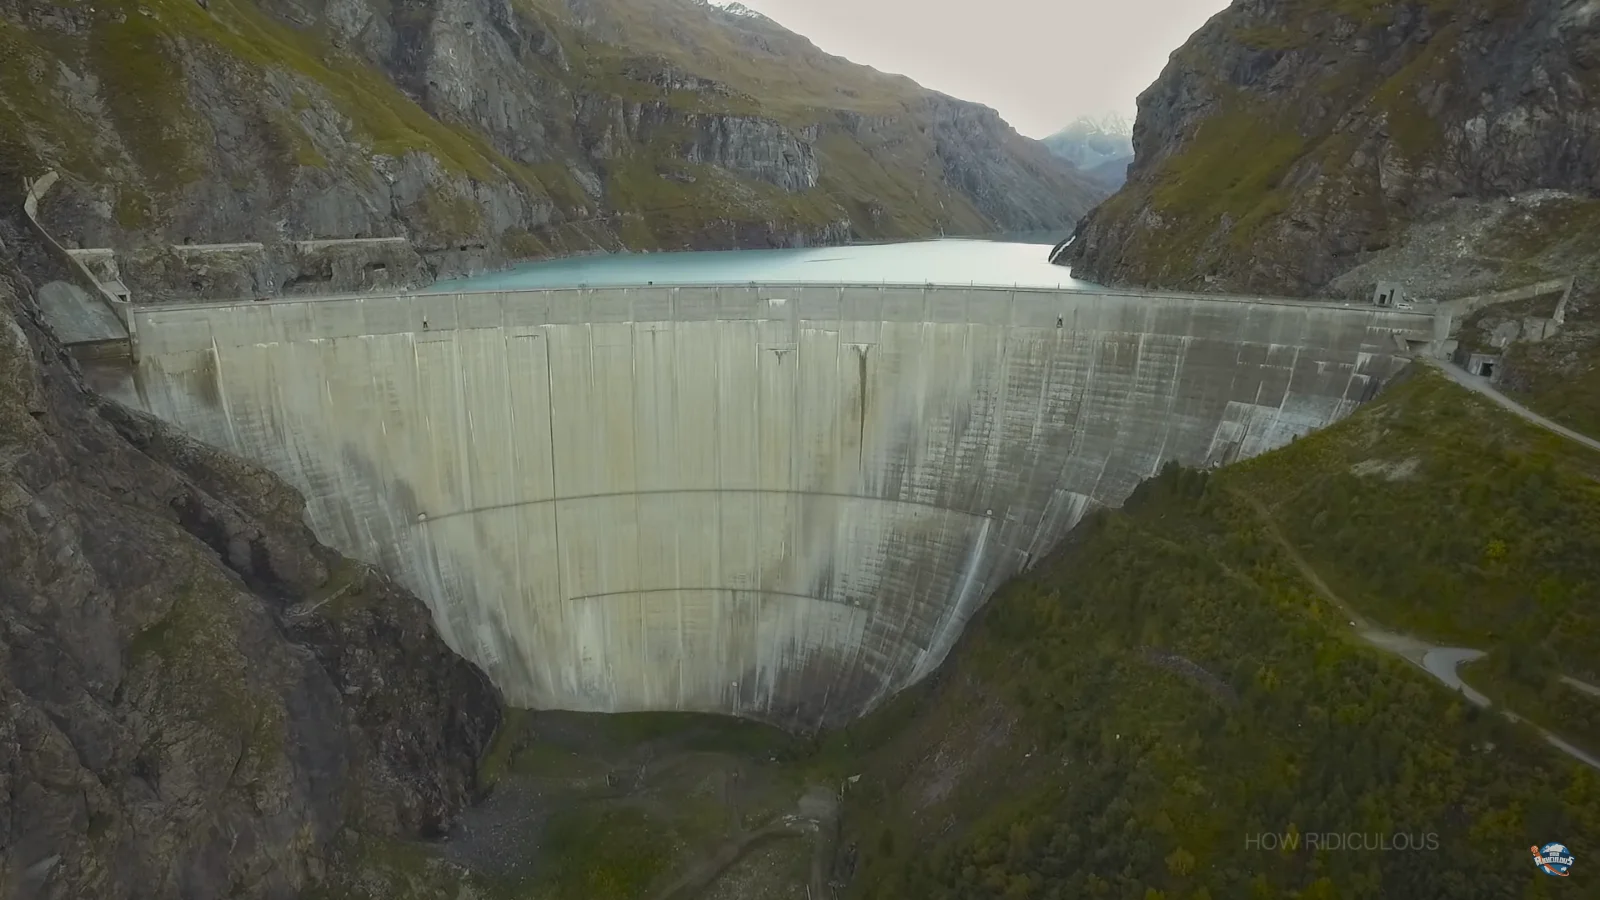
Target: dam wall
[{"x": 776, "y": 501}]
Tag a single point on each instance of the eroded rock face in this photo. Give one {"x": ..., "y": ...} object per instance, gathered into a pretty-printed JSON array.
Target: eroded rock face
[
  {"x": 198, "y": 697},
  {"x": 158, "y": 273},
  {"x": 1286, "y": 142}
]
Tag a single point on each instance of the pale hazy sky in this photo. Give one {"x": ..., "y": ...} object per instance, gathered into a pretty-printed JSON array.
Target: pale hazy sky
[{"x": 1041, "y": 63}]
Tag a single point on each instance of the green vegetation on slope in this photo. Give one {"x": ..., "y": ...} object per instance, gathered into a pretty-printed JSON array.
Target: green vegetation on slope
[
  {"x": 1232, "y": 168},
  {"x": 1438, "y": 514},
  {"x": 28, "y": 74},
  {"x": 787, "y": 72},
  {"x": 670, "y": 202},
  {"x": 1169, "y": 686},
  {"x": 138, "y": 51},
  {"x": 1461, "y": 525},
  {"x": 884, "y": 198},
  {"x": 386, "y": 118}
]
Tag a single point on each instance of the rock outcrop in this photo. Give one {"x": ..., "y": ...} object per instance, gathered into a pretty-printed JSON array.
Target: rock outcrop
[
  {"x": 1288, "y": 142},
  {"x": 159, "y": 272},
  {"x": 198, "y": 699},
  {"x": 483, "y": 130}
]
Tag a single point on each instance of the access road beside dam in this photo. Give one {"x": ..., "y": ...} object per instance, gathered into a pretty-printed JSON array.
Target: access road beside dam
[{"x": 776, "y": 501}]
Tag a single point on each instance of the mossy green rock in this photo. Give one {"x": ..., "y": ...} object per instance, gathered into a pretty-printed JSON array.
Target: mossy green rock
[{"x": 1288, "y": 143}]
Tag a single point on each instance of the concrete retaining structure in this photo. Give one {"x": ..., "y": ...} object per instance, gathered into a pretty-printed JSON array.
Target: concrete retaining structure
[
  {"x": 1449, "y": 314},
  {"x": 90, "y": 291},
  {"x": 778, "y": 501}
]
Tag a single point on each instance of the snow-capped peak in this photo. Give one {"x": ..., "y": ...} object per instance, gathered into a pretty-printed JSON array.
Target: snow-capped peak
[{"x": 735, "y": 8}]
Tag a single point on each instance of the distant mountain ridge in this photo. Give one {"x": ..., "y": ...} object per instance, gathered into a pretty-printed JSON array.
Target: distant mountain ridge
[{"x": 1101, "y": 147}]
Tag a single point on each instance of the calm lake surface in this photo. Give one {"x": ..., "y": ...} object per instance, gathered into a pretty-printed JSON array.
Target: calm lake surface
[{"x": 979, "y": 262}]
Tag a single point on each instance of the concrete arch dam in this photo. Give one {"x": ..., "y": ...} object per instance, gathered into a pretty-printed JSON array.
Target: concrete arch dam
[{"x": 779, "y": 501}]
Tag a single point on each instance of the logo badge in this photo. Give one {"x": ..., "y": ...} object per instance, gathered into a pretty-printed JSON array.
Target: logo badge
[{"x": 1553, "y": 859}]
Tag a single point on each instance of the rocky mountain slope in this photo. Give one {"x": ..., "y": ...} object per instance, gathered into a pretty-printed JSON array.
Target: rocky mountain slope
[
  {"x": 1288, "y": 143},
  {"x": 198, "y": 700},
  {"x": 486, "y": 129},
  {"x": 1100, "y": 148}
]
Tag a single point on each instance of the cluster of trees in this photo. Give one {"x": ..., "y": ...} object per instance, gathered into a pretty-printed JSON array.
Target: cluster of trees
[{"x": 1130, "y": 778}]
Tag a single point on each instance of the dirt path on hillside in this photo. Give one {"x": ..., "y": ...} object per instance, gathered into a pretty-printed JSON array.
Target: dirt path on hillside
[
  {"x": 1440, "y": 662},
  {"x": 1481, "y": 385},
  {"x": 1584, "y": 686}
]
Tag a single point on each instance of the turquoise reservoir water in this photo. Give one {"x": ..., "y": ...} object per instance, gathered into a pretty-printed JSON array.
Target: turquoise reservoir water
[{"x": 976, "y": 262}]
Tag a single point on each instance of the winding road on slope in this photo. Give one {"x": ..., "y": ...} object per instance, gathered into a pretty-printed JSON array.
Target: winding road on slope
[
  {"x": 1443, "y": 662},
  {"x": 1440, "y": 662},
  {"x": 1481, "y": 385}
]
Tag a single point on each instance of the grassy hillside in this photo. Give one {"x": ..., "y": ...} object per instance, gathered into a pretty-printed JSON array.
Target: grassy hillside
[
  {"x": 1170, "y": 684},
  {"x": 750, "y": 54}
]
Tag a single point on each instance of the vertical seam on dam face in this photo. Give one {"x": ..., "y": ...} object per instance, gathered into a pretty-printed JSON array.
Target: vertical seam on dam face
[
  {"x": 861, "y": 418},
  {"x": 701, "y": 537},
  {"x": 554, "y": 551}
]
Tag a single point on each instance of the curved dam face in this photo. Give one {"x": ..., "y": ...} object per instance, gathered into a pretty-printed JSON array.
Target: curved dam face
[{"x": 773, "y": 501}]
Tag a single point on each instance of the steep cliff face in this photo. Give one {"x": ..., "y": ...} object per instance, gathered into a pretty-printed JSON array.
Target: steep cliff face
[
  {"x": 198, "y": 699},
  {"x": 483, "y": 129},
  {"x": 1288, "y": 142}
]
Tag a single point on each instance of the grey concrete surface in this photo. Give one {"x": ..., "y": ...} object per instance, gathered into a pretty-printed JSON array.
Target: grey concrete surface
[
  {"x": 73, "y": 316},
  {"x": 1442, "y": 662},
  {"x": 1481, "y": 385},
  {"x": 76, "y": 317},
  {"x": 782, "y": 502}
]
